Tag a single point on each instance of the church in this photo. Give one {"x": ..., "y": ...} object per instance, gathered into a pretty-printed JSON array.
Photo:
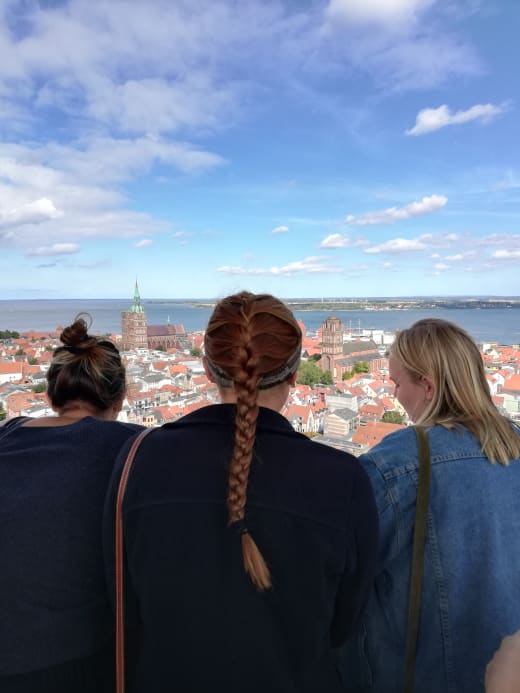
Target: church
[
  {"x": 137, "y": 334},
  {"x": 338, "y": 356}
]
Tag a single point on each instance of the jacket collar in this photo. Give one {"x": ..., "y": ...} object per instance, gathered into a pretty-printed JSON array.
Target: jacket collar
[{"x": 224, "y": 415}]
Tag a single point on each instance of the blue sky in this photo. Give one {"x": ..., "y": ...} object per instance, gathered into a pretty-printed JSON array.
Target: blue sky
[{"x": 321, "y": 148}]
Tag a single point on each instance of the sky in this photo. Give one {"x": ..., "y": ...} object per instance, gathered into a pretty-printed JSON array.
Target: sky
[{"x": 308, "y": 148}]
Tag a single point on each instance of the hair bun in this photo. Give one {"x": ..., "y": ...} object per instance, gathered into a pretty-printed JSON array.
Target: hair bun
[{"x": 76, "y": 335}]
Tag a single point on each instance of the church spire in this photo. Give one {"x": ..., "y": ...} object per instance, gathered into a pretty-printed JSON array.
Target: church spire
[{"x": 137, "y": 307}]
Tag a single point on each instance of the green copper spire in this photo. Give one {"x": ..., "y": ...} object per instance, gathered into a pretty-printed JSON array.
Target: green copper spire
[{"x": 137, "y": 307}]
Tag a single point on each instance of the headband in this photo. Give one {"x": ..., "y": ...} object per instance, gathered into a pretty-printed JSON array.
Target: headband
[{"x": 268, "y": 380}]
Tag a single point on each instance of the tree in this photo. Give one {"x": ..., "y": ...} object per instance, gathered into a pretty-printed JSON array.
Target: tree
[
  {"x": 393, "y": 416},
  {"x": 3, "y": 413},
  {"x": 20, "y": 352},
  {"x": 9, "y": 334},
  {"x": 39, "y": 387},
  {"x": 160, "y": 347},
  {"x": 361, "y": 367},
  {"x": 310, "y": 374},
  {"x": 33, "y": 361},
  {"x": 195, "y": 351},
  {"x": 327, "y": 378},
  {"x": 358, "y": 367}
]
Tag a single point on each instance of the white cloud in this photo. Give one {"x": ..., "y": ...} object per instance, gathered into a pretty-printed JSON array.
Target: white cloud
[
  {"x": 179, "y": 234},
  {"x": 423, "y": 242},
  {"x": 55, "y": 249},
  {"x": 440, "y": 266},
  {"x": 335, "y": 240},
  {"x": 512, "y": 239},
  {"x": 30, "y": 213},
  {"x": 429, "y": 119},
  {"x": 37, "y": 183},
  {"x": 397, "y": 245},
  {"x": 376, "y": 11},
  {"x": 506, "y": 254},
  {"x": 310, "y": 265},
  {"x": 455, "y": 258},
  {"x": 280, "y": 229},
  {"x": 157, "y": 66},
  {"x": 143, "y": 243},
  {"x": 393, "y": 214},
  {"x": 399, "y": 44},
  {"x": 338, "y": 240}
]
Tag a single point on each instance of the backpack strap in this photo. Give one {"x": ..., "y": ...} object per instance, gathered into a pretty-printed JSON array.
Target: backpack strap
[{"x": 417, "y": 568}]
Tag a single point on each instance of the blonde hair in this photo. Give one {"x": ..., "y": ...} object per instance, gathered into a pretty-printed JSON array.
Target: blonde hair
[
  {"x": 444, "y": 352},
  {"x": 252, "y": 342}
]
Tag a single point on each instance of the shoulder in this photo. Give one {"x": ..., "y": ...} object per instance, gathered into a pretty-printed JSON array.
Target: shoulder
[
  {"x": 17, "y": 420},
  {"x": 109, "y": 433},
  {"x": 396, "y": 449}
]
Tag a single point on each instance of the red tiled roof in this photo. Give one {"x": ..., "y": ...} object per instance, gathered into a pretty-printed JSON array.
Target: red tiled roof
[
  {"x": 13, "y": 367},
  {"x": 373, "y": 432},
  {"x": 512, "y": 383}
]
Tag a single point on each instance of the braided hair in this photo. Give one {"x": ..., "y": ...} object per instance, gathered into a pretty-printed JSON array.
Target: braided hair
[{"x": 252, "y": 342}]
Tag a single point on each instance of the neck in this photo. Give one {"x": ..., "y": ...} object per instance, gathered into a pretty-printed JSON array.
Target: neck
[
  {"x": 73, "y": 411},
  {"x": 272, "y": 398}
]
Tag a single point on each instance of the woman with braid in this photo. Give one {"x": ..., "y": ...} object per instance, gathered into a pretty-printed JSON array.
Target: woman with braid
[
  {"x": 56, "y": 625},
  {"x": 249, "y": 548}
]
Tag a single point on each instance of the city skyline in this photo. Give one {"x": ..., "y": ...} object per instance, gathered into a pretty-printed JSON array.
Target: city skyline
[{"x": 323, "y": 148}]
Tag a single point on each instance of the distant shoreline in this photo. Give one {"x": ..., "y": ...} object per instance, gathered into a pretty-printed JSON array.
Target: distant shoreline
[{"x": 377, "y": 304}]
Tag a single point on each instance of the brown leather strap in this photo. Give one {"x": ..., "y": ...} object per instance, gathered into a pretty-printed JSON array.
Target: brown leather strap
[
  {"x": 119, "y": 566},
  {"x": 417, "y": 569}
]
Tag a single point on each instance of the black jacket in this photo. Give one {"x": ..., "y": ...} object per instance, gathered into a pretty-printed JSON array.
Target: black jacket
[
  {"x": 202, "y": 624},
  {"x": 54, "y": 608}
]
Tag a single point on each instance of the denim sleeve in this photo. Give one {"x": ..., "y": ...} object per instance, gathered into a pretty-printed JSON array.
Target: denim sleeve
[
  {"x": 386, "y": 509},
  {"x": 356, "y": 584}
]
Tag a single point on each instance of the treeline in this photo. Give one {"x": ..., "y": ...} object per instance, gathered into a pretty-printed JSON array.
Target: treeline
[{"x": 9, "y": 334}]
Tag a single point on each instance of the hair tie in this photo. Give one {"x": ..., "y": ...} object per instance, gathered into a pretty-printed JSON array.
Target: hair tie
[
  {"x": 74, "y": 350},
  {"x": 239, "y": 526}
]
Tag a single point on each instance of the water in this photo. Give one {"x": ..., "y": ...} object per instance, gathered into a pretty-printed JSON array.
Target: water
[{"x": 494, "y": 324}]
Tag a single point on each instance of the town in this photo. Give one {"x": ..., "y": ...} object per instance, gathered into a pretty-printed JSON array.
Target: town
[{"x": 343, "y": 396}]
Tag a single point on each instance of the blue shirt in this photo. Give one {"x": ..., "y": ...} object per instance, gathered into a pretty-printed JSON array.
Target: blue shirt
[{"x": 471, "y": 585}]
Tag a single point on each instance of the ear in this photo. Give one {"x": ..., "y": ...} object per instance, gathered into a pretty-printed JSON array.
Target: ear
[
  {"x": 208, "y": 373},
  {"x": 292, "y": 379},
  {"x": 429, "y": 387}
]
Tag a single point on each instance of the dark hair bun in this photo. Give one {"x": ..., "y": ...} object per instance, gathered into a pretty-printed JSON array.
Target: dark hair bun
[{"x": 76, "y": 335}]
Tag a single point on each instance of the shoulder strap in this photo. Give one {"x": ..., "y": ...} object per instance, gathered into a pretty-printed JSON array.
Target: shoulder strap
[
  {"x": 119, "y": 566},
  {"x": 417, "y": 569}
]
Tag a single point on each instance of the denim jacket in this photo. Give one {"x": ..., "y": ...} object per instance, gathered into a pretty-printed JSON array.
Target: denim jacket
[{"x": 471, "y": 585}]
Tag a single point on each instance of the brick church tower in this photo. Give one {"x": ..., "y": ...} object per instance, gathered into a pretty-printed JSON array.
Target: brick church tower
[
  {"x": 331, "y": 343},
  {"x": 134, "y": 325}
]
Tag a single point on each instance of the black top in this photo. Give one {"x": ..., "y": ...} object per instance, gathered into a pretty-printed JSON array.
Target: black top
[
  {"x": 54, "y": 606},
  {"x": 203, "y": 626}
]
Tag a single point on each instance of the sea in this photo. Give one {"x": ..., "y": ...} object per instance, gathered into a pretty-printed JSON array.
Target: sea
[{"x": 500, "y": 325}]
